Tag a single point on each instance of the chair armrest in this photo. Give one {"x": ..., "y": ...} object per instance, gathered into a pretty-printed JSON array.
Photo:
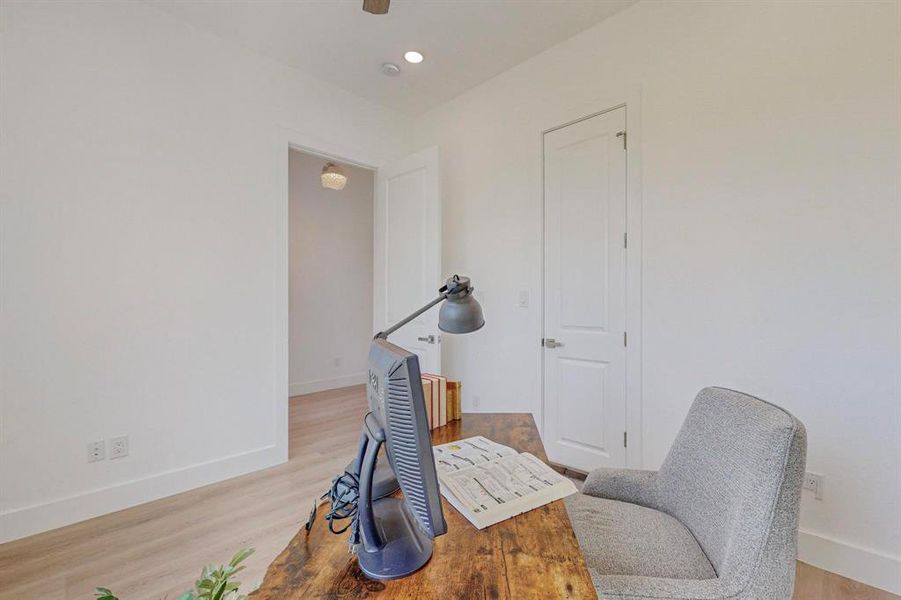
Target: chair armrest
[{"x": 625, "y": 485}]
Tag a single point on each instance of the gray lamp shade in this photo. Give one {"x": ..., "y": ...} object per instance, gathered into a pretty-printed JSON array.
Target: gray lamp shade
[{"x": 460, "y": 312}]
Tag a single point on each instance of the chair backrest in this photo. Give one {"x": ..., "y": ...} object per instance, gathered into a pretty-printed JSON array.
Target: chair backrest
[{"x": 733, "y": 477}]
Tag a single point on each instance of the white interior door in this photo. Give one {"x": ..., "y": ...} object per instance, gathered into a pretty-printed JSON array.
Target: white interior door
[
  {"x": 585, "y": 293},
  {"x": 407, "y": 245}
]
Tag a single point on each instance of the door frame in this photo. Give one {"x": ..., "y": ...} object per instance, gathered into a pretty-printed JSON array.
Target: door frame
[
  {"x": 629, "y": 99},
  {"x": 287, "y": 139}
]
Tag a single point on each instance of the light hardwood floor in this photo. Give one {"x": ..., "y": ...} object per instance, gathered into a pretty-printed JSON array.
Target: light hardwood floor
[{"x": 156, "y": 550}]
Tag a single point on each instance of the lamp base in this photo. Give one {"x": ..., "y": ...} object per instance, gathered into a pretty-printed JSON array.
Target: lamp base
[
  {"x": 384, "y": 483},
  {"x": 407, "y": 548}
]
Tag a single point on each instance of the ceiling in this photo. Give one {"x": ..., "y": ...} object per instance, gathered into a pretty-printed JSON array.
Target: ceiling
[{"x": 465, "y": 42}]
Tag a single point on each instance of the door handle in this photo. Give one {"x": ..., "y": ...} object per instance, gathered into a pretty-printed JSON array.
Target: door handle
[
  {"x": 427, "y": 338},
  {"x": 551, "y": 343}
]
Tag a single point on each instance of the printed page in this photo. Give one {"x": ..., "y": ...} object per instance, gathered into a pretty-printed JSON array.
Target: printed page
[
  {"x": 499, "y": 489},
  {"x": 463, "y": 454}
]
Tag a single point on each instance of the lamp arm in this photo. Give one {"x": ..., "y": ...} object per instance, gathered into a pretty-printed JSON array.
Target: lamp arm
[{"x": 384, "y": 334}]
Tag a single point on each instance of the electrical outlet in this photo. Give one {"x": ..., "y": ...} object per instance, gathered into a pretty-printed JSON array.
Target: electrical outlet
[
  {"x": 337, "y": 361},
  {"x": 476, "y": 401},
  {"x": 118, "y": 447},
  {"x": 96, "y": 451},
  {"x": 814, "y": 483},
  {"x": 524, "y": 299}
]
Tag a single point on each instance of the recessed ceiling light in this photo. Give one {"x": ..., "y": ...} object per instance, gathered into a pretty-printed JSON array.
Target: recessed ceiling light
[
  {"x": 413, "y": 57},
  {"x": 390, "y": 69}
]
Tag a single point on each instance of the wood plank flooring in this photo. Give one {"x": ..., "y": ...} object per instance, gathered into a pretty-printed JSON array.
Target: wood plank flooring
[{"x": 156, "y": 550}]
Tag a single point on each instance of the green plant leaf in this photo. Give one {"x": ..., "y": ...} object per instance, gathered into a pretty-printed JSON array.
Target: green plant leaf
[
  {"x": 240, "y": 556},
  {"x": 237, "y": 570},
  {"x": 219, "y": 590},
  {"x": 103, "y": 593}
]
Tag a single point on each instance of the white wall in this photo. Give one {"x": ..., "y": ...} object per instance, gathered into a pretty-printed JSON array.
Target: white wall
[
  {"x": 144, "y": 252},
  {"x": 770, "y": 147},
  {"x": 330, "y": 261}
]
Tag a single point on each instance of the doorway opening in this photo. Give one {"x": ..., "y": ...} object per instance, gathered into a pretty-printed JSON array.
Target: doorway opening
[{"x": 330, "y": 299}]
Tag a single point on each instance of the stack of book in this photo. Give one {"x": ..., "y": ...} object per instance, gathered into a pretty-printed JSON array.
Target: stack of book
[{"x": 442, "y": 399}]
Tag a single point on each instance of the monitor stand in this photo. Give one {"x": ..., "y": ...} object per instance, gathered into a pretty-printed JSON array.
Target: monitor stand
[
  {"x": 384, "y": 483},
  {"x": 392, "y": 545}
]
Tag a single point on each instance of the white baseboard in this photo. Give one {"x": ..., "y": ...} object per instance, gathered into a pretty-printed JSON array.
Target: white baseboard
[
  {"x": 320, "y": 385},
  {"x": 34, "y": 519},
  {"x": 860, "y": 564}
]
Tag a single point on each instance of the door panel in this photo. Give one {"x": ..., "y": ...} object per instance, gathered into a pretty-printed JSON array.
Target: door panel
[
  {"x": 585, "y": 293},
  {"x": 580, "y": 381},
  {"x": 583, "y": 213},
  {"x": 407, "y": 247}
]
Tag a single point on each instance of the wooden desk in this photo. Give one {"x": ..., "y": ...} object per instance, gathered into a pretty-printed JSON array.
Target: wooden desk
[{"x": 533, "y": 555}]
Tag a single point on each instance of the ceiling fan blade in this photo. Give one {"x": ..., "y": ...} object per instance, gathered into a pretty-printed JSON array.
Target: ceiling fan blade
[{"x": 376, "y": 7}]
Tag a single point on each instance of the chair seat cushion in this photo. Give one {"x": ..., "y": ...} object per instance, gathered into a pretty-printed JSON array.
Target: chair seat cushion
[{"x": 619, "y": 538}]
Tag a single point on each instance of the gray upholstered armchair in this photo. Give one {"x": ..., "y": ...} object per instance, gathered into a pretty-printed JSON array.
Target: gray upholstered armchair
[{"x": 720, "y": 518}]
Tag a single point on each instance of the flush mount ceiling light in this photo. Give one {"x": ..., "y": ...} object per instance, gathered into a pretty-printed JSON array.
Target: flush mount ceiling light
[
  {"x": 333, "y": 177},
  {"x": 390, "y": 69},
  {"x": 412, "y": 56}
]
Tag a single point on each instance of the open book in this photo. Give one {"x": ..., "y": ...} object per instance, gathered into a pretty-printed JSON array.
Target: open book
[{"x": 488, "y": 482}]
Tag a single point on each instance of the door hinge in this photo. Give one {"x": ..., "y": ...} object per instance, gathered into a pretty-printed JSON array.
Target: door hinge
[
  {"x": 625, "y": 339},
  {"x": 625, "y": 439},
  {"x": 625, "y": 240},
  {"x": 622, "y": 134}
]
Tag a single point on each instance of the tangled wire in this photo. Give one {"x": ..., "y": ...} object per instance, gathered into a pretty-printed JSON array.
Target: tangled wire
[{"x": 343, "y": 496}]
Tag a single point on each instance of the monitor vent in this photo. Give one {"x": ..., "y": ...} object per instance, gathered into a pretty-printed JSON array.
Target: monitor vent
[{"x": 403, "y": 448}]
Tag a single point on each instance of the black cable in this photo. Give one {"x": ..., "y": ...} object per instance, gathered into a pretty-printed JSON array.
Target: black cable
[{"x": 343, "y": 496}]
